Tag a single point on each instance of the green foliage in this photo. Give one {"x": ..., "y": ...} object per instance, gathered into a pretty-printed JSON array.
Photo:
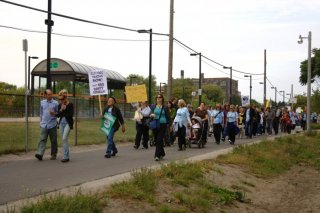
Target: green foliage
[
  {"x": 12, "y": 135},
  {"x": 271, "y": 158},
  {"x": 141, "y": 187},
  {"x": 315, "y": 67},
  {"x": 78, "y": 203},
  {"x": 182, "y": 173},
  {"x": 212, "y": 93},
  {"x": 182, "y": 88},
  {"x": 236, "y": 100}
]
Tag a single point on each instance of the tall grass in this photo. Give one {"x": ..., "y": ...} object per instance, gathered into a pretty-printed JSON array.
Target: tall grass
[
  {"x": 78, "y": 203},
  {"x": 271, "y": 158},
  {"x": 12, "y": 135}
]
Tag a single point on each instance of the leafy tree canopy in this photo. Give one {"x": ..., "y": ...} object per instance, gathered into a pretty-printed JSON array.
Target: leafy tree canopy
[{"x": 315, "y": 67}]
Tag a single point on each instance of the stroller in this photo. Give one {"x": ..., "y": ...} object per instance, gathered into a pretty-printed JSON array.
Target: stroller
[{"x": 196, "y": 131}]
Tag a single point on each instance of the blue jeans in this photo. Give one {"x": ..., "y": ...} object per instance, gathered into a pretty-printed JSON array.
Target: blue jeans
[
  {"x": 249, "y": 128},
  {"x": 65, "y": 130},
  {"x": 111, "y": 145},
  {"x": 44, "y": 133}
]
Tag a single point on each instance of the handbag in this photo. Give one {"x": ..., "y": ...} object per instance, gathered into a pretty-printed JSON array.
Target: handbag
[
  {"x": 137, "y": 116},
  {"x": 155, "y": 123}
]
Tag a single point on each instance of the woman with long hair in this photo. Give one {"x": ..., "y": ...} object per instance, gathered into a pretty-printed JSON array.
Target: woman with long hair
[
  {"x": 160, "y": 112},
  {"x": 65, "y": 113}
]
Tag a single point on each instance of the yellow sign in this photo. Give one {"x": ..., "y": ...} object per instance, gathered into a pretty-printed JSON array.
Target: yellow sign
[{"x": 137, "y": 93}]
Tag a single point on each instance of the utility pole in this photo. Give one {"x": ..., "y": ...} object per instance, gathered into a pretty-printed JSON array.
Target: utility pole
[
  {"x": 265, "y": 79},
  {"x": 49, "y": 23},
  {"x": 25, "y": 49},
  {"x": 291, "y": 96},
  {"x": 169, "y": 87}
]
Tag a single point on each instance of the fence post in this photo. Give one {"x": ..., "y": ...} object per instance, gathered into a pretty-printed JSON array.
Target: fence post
[{"x": 76, "y": 122}]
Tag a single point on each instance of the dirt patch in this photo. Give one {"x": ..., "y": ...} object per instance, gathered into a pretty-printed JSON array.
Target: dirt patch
[{"x": 298, "y": 190}]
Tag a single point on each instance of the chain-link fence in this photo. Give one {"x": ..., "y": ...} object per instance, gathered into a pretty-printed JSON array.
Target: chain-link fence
[{"x": 13, "y": 123}]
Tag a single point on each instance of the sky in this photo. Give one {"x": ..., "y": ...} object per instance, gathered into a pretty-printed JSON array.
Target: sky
[{"x": 232, "y": 32}]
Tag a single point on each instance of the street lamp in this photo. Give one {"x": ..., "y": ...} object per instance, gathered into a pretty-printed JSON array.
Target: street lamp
[
  {"x": 29, "y": 59},
  {"x": 160, "y": 86},
  {"x": 230, "y": 89},
  {"x": 199, "y": 91},
  {"x": 300, "y": 41},
  {"x": 263, "y": 102},
  {"x": 283, "y": 95},
  {"x": 275, "y": 94},
  {"x": 250, "y": 85},
  {"x": 150, "y": 60}
]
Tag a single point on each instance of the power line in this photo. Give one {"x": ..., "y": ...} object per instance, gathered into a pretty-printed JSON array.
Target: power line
[
  {"x": 116, "y": 27},
  {"x": 76, "y": 36},
  {"x": 209, "y": 59}
]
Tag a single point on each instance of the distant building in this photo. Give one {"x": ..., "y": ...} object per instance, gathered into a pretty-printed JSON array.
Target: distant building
[{"x": 224, "y": 84}]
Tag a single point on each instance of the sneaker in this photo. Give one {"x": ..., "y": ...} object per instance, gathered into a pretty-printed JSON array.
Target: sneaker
[
  {"x": 107, "y": 156},
  {"x": 53, "y": 157},
  {"x": 65, "y": 160},
  {"x": 39, "y": 157},
  {"x": 136, "y": 147},
  {"x": 230, "y": 141},
  {"x": 156, "y": 159}
]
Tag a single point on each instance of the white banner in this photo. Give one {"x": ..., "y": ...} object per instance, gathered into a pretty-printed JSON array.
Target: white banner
[
  {"x": 245, "y": 100},
  {"x": 98, "y": 82}
]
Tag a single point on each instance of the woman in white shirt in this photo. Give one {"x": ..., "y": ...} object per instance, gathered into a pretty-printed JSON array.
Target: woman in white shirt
[{"x": 181, "y": 122}]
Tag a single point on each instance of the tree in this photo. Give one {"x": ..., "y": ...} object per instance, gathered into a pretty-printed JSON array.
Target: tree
[
  {"x": 182, "y": 88},
  {"x": 315, "y": 68},
  {"x": 236, "y": 100},
  {"x": 212, "y": 94},
  {"x": 256, "y": 103}
]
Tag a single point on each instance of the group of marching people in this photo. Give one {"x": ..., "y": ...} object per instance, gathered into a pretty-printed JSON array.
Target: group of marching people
[
  {"x": 168, "y": 121},
  {"x": 225, "y": 122}
]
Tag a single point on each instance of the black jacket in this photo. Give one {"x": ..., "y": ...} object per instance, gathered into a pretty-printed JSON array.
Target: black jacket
[
  {"x": 67, "y": 113},
  {"x": 116, "y": 113}
]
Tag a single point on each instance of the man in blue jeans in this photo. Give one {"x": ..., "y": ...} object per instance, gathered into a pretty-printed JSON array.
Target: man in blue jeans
[
  {"x": 249, "y": 120},
  {"x": 48, "y": 125}
]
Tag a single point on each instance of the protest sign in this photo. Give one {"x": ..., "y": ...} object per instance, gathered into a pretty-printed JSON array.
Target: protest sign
[
  {"x": 245, "y": 100},
  {"x": 107, "y": 123},
  {"x": 98, "y": 82},
  {"x": 137, "y": 93}
]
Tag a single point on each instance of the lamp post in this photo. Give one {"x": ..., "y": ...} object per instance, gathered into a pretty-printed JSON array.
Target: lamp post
[
  {"x": 263, "y": 102},
  {"x": 275, "y": 94},
  {"x": 250, "y": 85},
  {"x": 230, "y": 84},
  {"x": 309, "y": 77},
  {"x": 29, "y": 60},
  {"x": 199, "y": 91},
  {"x": 160, "y": 86},
  {"x": 283, "y": 95},
  {"x": 150, "y": 61}
]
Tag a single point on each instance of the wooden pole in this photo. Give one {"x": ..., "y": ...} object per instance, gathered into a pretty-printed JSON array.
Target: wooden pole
[{"x": 100, "y": 105}]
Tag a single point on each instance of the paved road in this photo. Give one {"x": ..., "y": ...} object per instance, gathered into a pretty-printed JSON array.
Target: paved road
[{"x": 28, "y": 178}]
